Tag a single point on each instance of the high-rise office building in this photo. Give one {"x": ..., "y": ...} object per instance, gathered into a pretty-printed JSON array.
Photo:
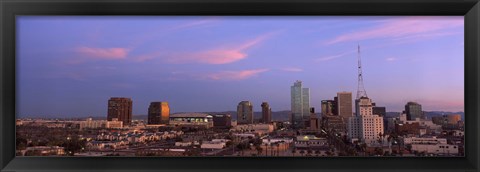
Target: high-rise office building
[
  {"x": 158, "y": 113},
  {"x": 120, "y": 108},
  {"x": 365, "y": 126},
  {"x": 245, "y": 112},
  {"x": 266, "y": 113},
  {"x": 344, "y": 104},
  {"x": 413, "y": 110},
  {"x": 300, "y": 104},
  {"x": 364, "y": 106}
]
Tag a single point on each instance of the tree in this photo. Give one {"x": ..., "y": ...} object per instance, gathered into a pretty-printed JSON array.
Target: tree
[
  {"x": 242, "y": 147},
  {"x": 73, "y": 145},
  {"x": 302, "y": 152},
  {"x": 259, "y": 150},
  {"x": 386, "y": 153},
  {"x": 21, "y": 143},
  {"x": 228, "y": 144},
  {"x": 317, "y": 152},
  {"x": 309, "y": 152},
  {"x": 378, "y": 151},
  {"x": 278, "y": 148}
]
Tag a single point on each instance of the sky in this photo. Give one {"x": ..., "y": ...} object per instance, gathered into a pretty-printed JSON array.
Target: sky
[{"x": 71, "y": 65}]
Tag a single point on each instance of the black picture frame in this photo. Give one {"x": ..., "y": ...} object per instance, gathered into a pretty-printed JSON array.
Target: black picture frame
[{"x": 9, "y": 9}]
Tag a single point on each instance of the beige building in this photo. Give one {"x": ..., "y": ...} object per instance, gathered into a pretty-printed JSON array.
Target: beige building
[
  {"x": 365, "y": 126},
  {"x": 89, "y": 123}
]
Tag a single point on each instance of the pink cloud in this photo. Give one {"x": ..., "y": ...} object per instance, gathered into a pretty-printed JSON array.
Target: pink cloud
[
  {"x": 210, "y": 57},
  {"x": 396, "y": 28},
  {"x": 103, "y": 53},
  {"x": 220, "y": 55},
  {"x": 234, "y": 75}
]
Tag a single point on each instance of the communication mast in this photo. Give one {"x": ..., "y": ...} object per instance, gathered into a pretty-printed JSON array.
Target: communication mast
[{"x": 360, "y": 89}]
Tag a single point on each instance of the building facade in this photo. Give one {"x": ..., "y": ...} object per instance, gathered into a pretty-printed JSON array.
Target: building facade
[
  {"x": 300, "y": 104},
  {"x": 344, "y": 104},
  {"x": 413, "y": 110},
  {"x": 120, "y": 108},
  {"x": 191, "y": 120},
  {"x": 365, "y": 126},
  {"x": 266, "y": 113},
  {"x": 245, "y": 112},
  {"x": 95, "y": 124},
  {"x": 329, "y": 107},
  {"x": 158, "y": 113},
  {"x": 380, "y": 111},
  {"x": 222, "y": 121}
]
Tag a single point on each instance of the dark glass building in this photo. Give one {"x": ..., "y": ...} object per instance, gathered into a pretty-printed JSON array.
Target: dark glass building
[
  {"x": 158, "y": 113},
  {"x": 245, "y": 112},
  {"x": 413, "y": 110},
  {"x": 222, "y": 121},
  {"x": 381, "y": 111},
  {"x": 120, "y": 108},
  {"x": 266, "y": 113}
]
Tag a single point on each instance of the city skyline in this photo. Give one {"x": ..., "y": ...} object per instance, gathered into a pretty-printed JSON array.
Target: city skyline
[{"x": 200, "y": 64}]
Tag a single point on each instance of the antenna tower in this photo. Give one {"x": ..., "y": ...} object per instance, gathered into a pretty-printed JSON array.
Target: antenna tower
[{"x": 360, "y": 89}]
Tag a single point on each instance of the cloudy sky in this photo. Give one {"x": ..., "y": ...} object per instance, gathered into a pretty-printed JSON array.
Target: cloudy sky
[{"x": 71, "y": 66}]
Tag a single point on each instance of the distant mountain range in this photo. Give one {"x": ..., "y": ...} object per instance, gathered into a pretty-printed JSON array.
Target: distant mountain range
[
  {"x": 278, "y": 115},
  {"x": 429, "y": 114}
]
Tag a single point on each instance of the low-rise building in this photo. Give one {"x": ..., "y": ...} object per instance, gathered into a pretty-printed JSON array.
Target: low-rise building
[
  {"x": 431, "y": 145},
  {"x": 222, "y": 121},
  {"x": 192, "y": 120},
  {"x": 444, "y": 149},
  {"x": 424, "y": 140},
  {"x": 214, "y": 144},
  {"x": 44, "y": 151},
  {"x": 89, "y": 123},
  {"x": 311, "y": 141},
  {"x": 259, "y": 129}
]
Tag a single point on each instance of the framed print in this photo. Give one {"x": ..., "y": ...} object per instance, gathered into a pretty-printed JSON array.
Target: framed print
[{"x": 239, "y": 85}]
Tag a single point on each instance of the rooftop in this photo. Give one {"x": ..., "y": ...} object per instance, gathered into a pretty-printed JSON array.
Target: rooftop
[{"x": 191, "y": 115}]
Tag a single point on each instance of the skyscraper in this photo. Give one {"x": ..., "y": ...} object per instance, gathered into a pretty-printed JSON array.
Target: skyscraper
[
  {"x": 344, "y": 104},
  {"x": 245, "y": 112},
  {"x": 158, "y": 113},
  {"x": 120, "y": 108},
  {"x": 365, "y": 125},
  {"x": 300, "y": 104},
  {"x": 266, "y": 113},
  {"x": 413, "y": 110}
]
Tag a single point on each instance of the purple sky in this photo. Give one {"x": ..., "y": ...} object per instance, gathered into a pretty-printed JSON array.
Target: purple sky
[{"x": 71, "y": 66}]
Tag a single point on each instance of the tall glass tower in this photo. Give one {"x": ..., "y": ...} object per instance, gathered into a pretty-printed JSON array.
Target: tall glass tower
[{"x": 300, "y": 101}]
